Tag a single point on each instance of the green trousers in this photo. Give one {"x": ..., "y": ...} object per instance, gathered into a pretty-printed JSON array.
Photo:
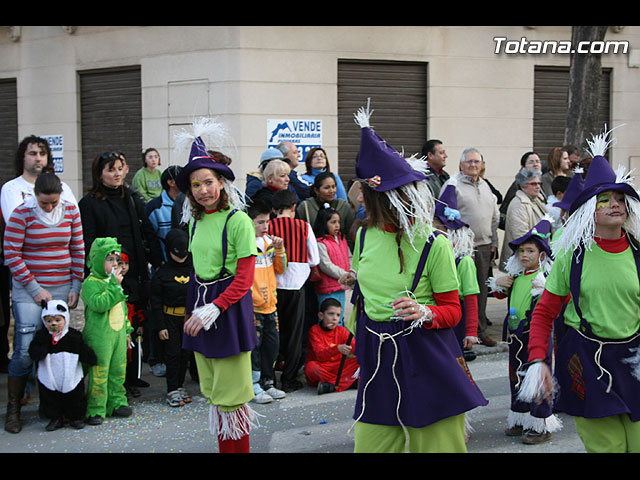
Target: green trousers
[
  {"x": 226, "y": 382},
  {"x": 445, "y": 436},
  {"x": 105, "y": 391},
  {"x": 614, "y": 434}
]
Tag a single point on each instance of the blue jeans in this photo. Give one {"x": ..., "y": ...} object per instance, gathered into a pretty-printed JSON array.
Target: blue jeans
[
  {"x": 263, "y": 357},
  {"x": 28, "y": 320}
]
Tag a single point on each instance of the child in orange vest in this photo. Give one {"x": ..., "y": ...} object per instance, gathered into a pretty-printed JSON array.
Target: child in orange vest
[{"x": 271, "y": 259}]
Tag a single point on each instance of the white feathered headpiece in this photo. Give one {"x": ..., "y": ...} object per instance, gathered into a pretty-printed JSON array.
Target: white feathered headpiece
[
  {"x": 579, "y": 230},
  {"x": 206, "y": 131},
  {"x": 402, "y": 179}
]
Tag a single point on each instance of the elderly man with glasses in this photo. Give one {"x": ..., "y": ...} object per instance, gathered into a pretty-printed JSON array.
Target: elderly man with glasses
[{"x": 478, "y": 208}]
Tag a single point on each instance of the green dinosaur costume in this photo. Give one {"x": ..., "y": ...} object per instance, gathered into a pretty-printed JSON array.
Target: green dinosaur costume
[{"x": 105, "y": 331}]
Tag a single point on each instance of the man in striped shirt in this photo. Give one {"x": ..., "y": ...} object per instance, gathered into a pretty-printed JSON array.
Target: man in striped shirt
[{"x": 44, "y": 250}]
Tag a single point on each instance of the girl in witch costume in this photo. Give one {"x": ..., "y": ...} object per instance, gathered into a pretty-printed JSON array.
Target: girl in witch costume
[
  {"x": 219, "y": 324},
  {"x": 597, "y": 263},
  {"x": 414, "y": 385},
  {"x": 523, "y": 284},
  {"x": 447, "y": 219}
]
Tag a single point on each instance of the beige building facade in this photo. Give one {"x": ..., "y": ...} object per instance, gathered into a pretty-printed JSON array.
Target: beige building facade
[{"x": 479, "y": 89}]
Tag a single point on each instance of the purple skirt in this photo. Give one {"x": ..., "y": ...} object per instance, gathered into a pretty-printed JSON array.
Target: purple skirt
[
  {"x": 232, "y": 333},
  {"x": 594, "y": 380},
  {"x": 518, "y": 340},
  {"x": 430, "y": 381}
]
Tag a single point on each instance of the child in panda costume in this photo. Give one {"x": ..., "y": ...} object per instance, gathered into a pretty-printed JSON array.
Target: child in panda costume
[{"x": 60, "y": 352}]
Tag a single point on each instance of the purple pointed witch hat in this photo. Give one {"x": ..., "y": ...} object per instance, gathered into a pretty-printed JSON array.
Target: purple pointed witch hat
[
  {"x": 601, "y": 177},
  {"x": 447, "y": 209},
  {"x": 576, "y": 185},
  {"x": 540, "y": 233},
  {"x": 200, "y": 158},
  {"x": 378, "y": 163}
]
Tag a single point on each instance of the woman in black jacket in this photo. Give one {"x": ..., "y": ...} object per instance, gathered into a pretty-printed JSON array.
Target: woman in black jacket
[{"x": 111, "y": 209}]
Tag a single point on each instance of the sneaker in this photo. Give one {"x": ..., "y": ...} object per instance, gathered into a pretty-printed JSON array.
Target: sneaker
[
  {"x": 95, "y": 420},
  {"x": 186, "y": 398},
  {"x": 324, "y": 387},
  {"x": 262, "y": 397},
  {"x": 123, "y": 411},
  {"x": 275, "y": 393},
  {"x": 530, "y": 437},
  {"x": 174, "y": 399},
  {"x": 159, "y": 369}
]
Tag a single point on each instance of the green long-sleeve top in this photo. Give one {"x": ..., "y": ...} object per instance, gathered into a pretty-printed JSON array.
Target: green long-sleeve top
[{"x": 105, "y": 303}]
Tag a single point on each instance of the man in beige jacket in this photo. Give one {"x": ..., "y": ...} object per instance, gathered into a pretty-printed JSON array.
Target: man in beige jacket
[{"x": 478, "y": 207}]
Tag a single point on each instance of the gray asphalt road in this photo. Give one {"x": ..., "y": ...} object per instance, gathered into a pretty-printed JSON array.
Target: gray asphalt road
[{"x": 303, "y": 422}]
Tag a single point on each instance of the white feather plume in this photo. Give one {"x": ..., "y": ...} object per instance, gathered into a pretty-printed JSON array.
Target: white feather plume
[
  {"x": 493, "y": 286},
  {"x": 362, "y": 116},
  {"x": 214, "y": 134},
  {"x": 414, "y": 207},
  {"x": 462, "y": 240},
  {"x": 532, "y": 387},
  {"x": 413, "y": 203},
  {"x": 599, "y": 144},
  {"x": 418, "y": 163}
]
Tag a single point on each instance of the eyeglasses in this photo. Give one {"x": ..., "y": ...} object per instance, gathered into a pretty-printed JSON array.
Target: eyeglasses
[{"x": 534, "y": 184}]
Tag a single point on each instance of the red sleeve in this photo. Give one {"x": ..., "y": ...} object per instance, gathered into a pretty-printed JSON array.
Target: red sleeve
[
  {"x": 471, "y": 315},
  {"x": 240, "y": 284},
  {"x": 499, "y": 295},
  {"x": 446, "y": 311},
  {"x": 547, "y": 310}
]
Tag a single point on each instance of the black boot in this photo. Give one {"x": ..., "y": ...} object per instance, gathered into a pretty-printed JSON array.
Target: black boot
[
  {"x": 15, "y": 387},
  {"x": 324, "y": 387}
]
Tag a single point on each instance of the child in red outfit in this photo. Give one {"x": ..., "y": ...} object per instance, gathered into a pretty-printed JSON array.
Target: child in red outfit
[{"x": 331, "y": 365}]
